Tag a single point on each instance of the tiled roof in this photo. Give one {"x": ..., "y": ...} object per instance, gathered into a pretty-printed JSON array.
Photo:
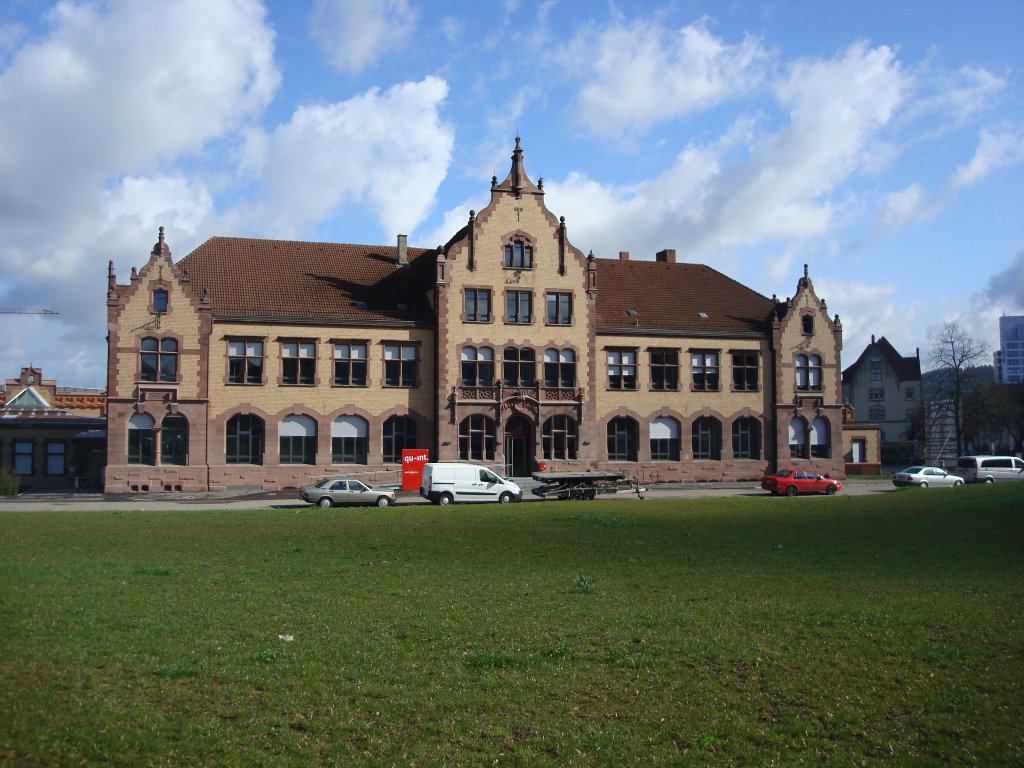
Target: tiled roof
[
  {"x": 666, "y": 296},
  {"x": 286, "y": 279}
]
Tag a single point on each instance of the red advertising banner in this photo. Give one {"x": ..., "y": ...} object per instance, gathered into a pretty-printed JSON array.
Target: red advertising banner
[{"x": 413, "y": 460}]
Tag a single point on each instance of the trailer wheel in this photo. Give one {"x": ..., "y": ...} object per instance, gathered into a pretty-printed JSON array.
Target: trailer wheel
[
  {"x": 576, "y": 494},
  {"x": 590, "y": 494}
]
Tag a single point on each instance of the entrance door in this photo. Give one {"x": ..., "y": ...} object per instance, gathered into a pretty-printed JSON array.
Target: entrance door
[{"x": 518, "y": 447}]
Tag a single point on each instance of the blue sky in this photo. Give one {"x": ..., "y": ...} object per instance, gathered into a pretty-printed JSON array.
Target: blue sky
[{"x": 881, "y": 143}]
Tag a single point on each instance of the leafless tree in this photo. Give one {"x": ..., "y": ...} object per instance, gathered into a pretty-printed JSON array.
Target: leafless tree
[{"x": 956, "y": 356}]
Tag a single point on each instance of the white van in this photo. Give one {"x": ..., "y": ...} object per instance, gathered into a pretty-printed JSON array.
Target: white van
[
  {"x": 444, "y": 483},
  {"x": 988, "y": 469}
]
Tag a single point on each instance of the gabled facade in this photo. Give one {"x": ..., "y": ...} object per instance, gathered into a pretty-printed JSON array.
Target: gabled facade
[
  {"x": 264, "y": 363},
  {"x": 884, "y": 388}
]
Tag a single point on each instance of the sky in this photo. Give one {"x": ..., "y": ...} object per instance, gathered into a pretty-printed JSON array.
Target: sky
[{"x": 880, "y": 143}]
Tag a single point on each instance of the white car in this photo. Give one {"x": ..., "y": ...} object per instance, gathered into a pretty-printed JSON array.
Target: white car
[{"x": 923, "y": 477}]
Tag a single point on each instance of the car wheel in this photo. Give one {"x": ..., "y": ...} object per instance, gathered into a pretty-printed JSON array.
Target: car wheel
[
  {"x": 923, "y": 484},
  {"x": 957, "y": 483},
  {"x": 445, "y": 499},
  {"x": 505, "y": 498},
  {"x": 383, "y": 501},
  {"x": 830, "y": 490},
  {"x": 791, "y": 490},
  {"x": 326, "y": 502},
  {"x": 988, "y": 481}
]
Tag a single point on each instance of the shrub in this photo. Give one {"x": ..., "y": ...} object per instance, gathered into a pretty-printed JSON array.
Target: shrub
[{"x": 9, "y": 482}]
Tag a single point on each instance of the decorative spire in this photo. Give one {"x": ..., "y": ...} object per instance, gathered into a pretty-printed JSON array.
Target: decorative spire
[
  {"x": 160, "y": 247},
  {"x": 517, "y": 181}
]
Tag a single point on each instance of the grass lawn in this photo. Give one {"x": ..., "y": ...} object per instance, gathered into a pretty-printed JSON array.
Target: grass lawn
[{"x": 747, "y": 631}]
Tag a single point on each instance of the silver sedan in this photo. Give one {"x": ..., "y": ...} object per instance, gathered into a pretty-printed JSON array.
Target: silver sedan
[
  {"x": 344, "y": 490},
  {"x": 923, "y": 477}
]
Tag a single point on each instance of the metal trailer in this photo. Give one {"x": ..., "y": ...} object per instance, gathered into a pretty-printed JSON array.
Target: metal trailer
[{"x": 584, "y": 484}]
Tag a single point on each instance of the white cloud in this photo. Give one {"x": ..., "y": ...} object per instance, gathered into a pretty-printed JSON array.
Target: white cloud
[
  {"x": 387, "y": 150},
  {"x": 901, "y": 208},
  {"x": 995, "y": 150},
  {"x": 355, "y": 34},
  {"x": 639, "y": 73}
]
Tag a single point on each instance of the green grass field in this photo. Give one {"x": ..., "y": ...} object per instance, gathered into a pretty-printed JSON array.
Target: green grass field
[{"x": 745, "y": 631}]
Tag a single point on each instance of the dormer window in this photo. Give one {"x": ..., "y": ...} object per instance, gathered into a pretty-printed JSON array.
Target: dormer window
[
  {"x": 808, "y": 325},
  {"x": 518, "y": 255},
  {"x": 159, "y": 301}
]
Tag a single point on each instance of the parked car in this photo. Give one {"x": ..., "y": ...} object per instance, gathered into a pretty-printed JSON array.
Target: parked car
[
  {"x": 924, "y": 477},
  {"x": 988, "y": 469},
  {"x": 345, "y": 490},
  {"x": 794, "y": 481}
]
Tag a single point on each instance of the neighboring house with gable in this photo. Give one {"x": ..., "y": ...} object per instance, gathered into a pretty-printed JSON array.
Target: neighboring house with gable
[
  {"x": 52, "y": 436},
  {"x": 263, "y": 363}
]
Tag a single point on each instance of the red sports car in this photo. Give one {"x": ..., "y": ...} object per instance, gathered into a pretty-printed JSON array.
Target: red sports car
[{"x": 794, "y": 481}]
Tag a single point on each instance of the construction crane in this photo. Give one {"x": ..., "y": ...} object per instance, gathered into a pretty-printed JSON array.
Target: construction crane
[{"x": 4, "y": 311}]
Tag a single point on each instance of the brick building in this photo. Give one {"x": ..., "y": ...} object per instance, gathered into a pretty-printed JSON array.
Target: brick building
[{"x": 263, "y": 363}]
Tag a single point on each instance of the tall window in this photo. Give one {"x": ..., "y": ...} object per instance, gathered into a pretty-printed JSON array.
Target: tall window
[
  {"x": 349, "y": 364},
  {"x": 560, "y": 437},
  {"x": 622, "y": 439},
  {"x": 559, "y": 368},
  {"x": 174, "y": 440},
  {"x": 244, "y": 440},
  {"x": 140, "y": 439},
  {"x": 559, "y": 308},
  {"x": 518, "y": 307},
  {"x": 477, "y": 366},
  {"x": 477, "y": 438},
  {"x": 664, "y": 439},
  {"x": 707, "y": 439},
  {"x": 819, "y": 439},
  {"x": 746, "y": 438},
  {"x": 705, "y": 371},
  {"x": 519, "y": 367},
  {"x": 621, "y": 369},
  {"x": 245, "y": 361},
  {"x": 808, "y": 372},
  {"x": 478, "y": 305},
  {"x": 798, "y": 439},
  {"x": 876, "y": 374},
  {"x": 159, "y": 359},
  {"x": 400, "y": 365},
  {"x": 399, "y": 432},
  {"x": 349, "y": 440},
  {"x": 160, "y": 300},
  {"x": 518, "y": 255},
  {"x": 744, "y": 371},
  {"x": 298, "y": 440},
  {"x": 298, "y": 362},
  {"x": 56, "y": 454},
  {"x": 22, "y": 457},
  {"x": 807, "y": 325},
  {"x": 664, "y": 369}
]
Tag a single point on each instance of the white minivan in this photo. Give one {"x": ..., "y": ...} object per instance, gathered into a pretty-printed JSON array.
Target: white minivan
[
  {"x": 988, "y": 469},
  {"x": 444, "y": 483}
]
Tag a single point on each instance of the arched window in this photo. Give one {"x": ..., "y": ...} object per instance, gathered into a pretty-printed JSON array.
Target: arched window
[
  {"x": 798, "y": 438},
  {"x": 140, "y": 439},
  {"x": 560, "y": 437},
  {"x": 518, "y": 255},
  {"x": 664, "y": 439},
  {"x": 298, "y": 440},
  {"x": 808, "y": 372},
  {"x": 158, "y": 359},
  {"x": 519, "y": 367},
  {"x": 174, "y": 440},
  {"x": 746, "y": 438},
  {"x": 399, "y": 432},
  {"x": 622, "y": 439},
  {"x": 707, "y": 439},
  {"x": 876, "y": 413},
  {"x": 559, "y": 368},
  {"x": 477, "y": 367},
  {"x": 477, "y": 438},
  {"x": 349, "y": 438},
  {"x": 244, "y": 440},
  {"x": 820, "y": 439}
]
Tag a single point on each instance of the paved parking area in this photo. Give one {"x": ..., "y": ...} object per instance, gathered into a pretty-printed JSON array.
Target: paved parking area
[{"x": 155, "y": 502}]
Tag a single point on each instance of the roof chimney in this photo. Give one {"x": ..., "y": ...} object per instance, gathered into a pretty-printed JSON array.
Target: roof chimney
[
  {"x": 403, "y": 250},
  {"x": 623, "y": 255},
  {"x": 668, "y": 256}
]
